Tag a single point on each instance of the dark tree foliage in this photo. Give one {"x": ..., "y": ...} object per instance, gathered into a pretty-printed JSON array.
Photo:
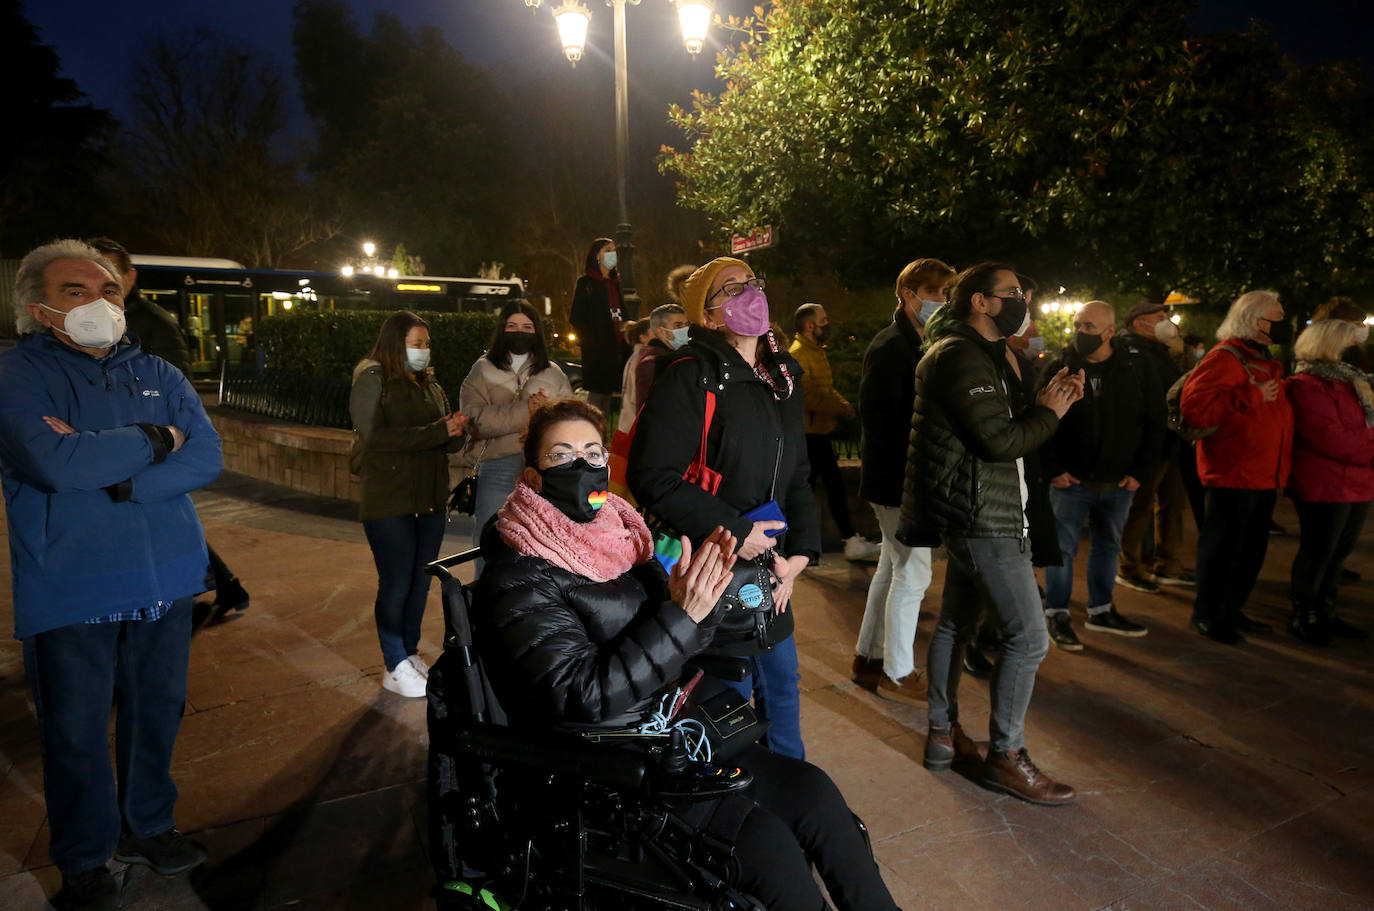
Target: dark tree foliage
[
  {"x": 212, "y": 176},
  {"x": 54, "y": 161},
  {"x": 1097, "y": 141},
  {"x": 409, "y": 138}
]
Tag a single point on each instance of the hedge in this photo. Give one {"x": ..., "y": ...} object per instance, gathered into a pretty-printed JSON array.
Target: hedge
[{"x": 329, "y": 344}]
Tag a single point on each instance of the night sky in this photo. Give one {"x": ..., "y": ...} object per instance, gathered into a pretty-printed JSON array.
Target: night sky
[{"x": 96, "y": 39}]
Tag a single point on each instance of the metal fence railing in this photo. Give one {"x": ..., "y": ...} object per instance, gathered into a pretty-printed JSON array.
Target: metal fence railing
[{"x": 317, "y": 401}]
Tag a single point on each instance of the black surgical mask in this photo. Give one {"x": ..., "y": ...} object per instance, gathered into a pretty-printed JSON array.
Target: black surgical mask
[
  {"x": 822, "y": 334},
  {"x": 1281, "y": 332},
  {"x": 1085, "y": 343},
  {"x": 1011, "y": 319},
  {"x": 577, "y": 489},
  {"x": 518, "y": 342}
]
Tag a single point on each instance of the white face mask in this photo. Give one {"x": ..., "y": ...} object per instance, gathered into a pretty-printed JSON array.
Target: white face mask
[
  {"x": 417, "y": 358},
  {"x": 95, "y": 324},
  {"x": 679, "y": 337},
  {"x": 1165, "y": 330}
]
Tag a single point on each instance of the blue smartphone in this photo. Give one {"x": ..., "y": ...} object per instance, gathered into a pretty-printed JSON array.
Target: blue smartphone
[{"x": 768, "y": 512}]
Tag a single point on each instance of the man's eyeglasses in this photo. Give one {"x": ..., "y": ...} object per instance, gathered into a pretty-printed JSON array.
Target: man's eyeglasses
[
  {"x": 1015, "y": 294},
  {"x": 595, "y": 456},
  {"x": 735, "y": 289}
]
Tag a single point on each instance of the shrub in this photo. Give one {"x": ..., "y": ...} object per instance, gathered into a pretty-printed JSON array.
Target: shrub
[{"x": 329, "y": 344}]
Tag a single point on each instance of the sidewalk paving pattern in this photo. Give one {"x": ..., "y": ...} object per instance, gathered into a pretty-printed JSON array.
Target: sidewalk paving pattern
[{"x": 1208, "y": 777}]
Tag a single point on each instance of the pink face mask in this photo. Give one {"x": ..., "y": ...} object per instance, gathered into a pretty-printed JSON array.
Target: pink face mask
[{"x": 746, "y": 314}]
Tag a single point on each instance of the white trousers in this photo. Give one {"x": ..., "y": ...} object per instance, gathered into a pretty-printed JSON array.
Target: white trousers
[{"x": 894, "y": 599}]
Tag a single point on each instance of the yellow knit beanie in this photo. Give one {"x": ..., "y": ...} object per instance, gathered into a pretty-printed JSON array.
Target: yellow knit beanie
[{"x": 696, "y": 287}]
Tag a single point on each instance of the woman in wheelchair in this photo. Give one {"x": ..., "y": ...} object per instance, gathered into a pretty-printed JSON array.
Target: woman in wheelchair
[{"x": 578, "y": 625}]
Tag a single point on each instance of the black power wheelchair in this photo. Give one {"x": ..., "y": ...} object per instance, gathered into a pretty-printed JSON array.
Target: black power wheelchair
[{"x": 551, "y": 821}]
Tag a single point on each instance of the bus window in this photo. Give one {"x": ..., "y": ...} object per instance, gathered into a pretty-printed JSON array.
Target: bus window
[
  {"x": 238, "y": 328},
  {"x": 199, "y": 326}
]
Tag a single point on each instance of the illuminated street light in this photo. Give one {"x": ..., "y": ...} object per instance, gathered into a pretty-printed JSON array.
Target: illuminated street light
[
  {"x": 392, "y": 273},
  {"x": 695, "y": 18},
  {"x": 346, "y": 271},
  {"x": 369, "y": 248},
  {"x": 572, "y": 18}
]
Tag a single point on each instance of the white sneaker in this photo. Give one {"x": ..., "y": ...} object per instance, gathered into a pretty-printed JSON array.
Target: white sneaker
[
  {"x": 860, "y": 549},
  {"x": 419, "y": 664},
  {"x": 404, "y": 681}
]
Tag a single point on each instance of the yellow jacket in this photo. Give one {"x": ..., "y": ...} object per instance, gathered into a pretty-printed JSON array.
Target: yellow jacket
[{"x": 823, "y": 404}]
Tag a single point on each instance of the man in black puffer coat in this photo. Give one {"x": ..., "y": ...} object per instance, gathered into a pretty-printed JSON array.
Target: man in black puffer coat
[{"x": 965, "y": 487}]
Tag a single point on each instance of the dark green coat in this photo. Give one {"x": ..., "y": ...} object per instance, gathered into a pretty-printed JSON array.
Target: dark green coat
[
  {"x": 404, "y": 443},
  {"x": 961, "y": 476}
]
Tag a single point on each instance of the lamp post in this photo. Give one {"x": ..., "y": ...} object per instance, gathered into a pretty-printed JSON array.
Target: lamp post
[{"x": 573, "y": 18}]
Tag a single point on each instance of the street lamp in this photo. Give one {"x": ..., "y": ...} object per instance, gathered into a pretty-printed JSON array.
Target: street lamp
[
  {"x": 369, "y": 248},
  {"x": 573, "y": 18}
]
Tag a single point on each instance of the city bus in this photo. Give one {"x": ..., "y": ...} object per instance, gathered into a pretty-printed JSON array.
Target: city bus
[{"x": 218, "y": 301}]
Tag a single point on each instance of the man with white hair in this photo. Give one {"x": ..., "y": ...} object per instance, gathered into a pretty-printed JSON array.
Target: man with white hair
[
  {"x": 1235, "y": 394},
  {"x": 100, "y": 445}
]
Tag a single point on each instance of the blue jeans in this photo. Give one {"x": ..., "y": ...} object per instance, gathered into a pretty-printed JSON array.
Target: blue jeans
[
  {"x": 76, "y": 673},
  {"x": 401, "y": 546},
  {"x": 993, "y": 574},
  {"x": 496, "y": 480},
  {"x": 1105, "y": 512},
  {"x": 772, "y": 683}
]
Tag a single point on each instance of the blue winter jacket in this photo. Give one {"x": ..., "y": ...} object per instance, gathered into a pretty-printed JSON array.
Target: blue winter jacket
[{"x": 78, "y": 550}]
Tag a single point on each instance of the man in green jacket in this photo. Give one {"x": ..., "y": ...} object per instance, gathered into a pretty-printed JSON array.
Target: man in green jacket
[
  {"x": 824, "y": 407},
  {"x": 965, "y": 488}
]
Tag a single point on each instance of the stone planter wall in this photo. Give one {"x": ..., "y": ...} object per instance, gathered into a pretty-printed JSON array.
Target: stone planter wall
[{"x": 309, "y": 459}]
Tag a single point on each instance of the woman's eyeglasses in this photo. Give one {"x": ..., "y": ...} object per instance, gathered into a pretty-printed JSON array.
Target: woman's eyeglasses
[
  {"x": 595, "y": 456},
  {"x": 735, "y": 289}
]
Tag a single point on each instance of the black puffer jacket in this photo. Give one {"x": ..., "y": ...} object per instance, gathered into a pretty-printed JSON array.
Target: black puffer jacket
[
  {"x": 157, "y": 330},
  {"x": 1168, "y": 369},
  {"x": 887, "y": 394},
  {"x": 961, "y": 475},
  {"x": 742, "y": 445},
  {"x": 562, "y": 649}
]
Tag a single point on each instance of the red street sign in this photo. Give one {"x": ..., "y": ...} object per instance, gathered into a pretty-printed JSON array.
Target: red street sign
[{"x": 762, "y": 237}]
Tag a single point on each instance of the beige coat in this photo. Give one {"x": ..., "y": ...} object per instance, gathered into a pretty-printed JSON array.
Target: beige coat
[{"x": 496, "y": 402}]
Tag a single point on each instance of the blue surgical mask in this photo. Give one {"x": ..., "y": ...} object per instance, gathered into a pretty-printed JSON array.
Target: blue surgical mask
[
  {"x": 928, "y": 309},
  {"x": 679, "y": 337},
  {"x": 1035, "y": 346},
  {"x": 417, "y": 358},
  {"x": 610, "y": 259}
]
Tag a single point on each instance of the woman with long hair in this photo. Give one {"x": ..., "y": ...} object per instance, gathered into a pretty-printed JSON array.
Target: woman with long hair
[
  {"x": 509, "y": 381},
  {"x": 598, "y": 314},
  {"x": 405, "y": 433}
]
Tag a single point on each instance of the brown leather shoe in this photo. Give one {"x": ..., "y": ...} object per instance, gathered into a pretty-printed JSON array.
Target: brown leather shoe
[
  {"x": 911, "y": 689},
  {"x": 867, "y": 672},
  {"x": 946, "y": 747},
  {"x": 1013, "y": 773}
]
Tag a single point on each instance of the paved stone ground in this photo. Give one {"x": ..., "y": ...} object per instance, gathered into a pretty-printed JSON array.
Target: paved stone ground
[{"x": 1210, "y": 778}]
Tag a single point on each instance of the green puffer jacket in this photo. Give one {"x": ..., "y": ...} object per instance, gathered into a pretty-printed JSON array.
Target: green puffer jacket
[
  {"x": 961, "y": 476},
  {"x": 404, "y": 443}
]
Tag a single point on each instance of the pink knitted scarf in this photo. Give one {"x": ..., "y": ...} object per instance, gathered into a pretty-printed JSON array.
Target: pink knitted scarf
[{"x": 601, "y": 549}]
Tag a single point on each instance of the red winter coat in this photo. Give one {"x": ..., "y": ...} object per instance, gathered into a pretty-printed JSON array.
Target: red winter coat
[
  {"x": 1252, "y": 446},
  {"x": 1333, "y": 453}
]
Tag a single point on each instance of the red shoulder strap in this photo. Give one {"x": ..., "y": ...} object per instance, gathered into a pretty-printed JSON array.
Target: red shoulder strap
[{"x": 700, "y": 461}]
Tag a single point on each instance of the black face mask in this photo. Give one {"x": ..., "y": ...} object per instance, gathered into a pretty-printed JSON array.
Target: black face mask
[
  {"x": 1085, "y": 343},
  {"x": 519, "y": 342},
  {"x": 577, "y": 489},
  {"x": 1281, "y": 332},
  {"x": 1011, "y": 317},
  {"x": 822, "y": 334},
  {"x": 1353, "y": 355}
]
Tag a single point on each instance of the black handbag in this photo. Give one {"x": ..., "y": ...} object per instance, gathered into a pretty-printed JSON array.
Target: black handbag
[
  {"x": 730, "y": 722},
  {"x": 463, "y": 498},
  {"x": 747, "y": 605}
]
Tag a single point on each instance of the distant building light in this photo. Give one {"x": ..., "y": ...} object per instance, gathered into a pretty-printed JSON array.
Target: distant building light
[
  {"x": 346, "y": 271},
  {"x": 412, "y": 286}
]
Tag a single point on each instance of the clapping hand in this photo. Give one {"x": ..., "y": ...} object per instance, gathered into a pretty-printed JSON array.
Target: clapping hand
[
  {"x": 1062, "y": 391},
  {"x": 538, "y": 399},
  {"x": 699, "y": 579}
]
